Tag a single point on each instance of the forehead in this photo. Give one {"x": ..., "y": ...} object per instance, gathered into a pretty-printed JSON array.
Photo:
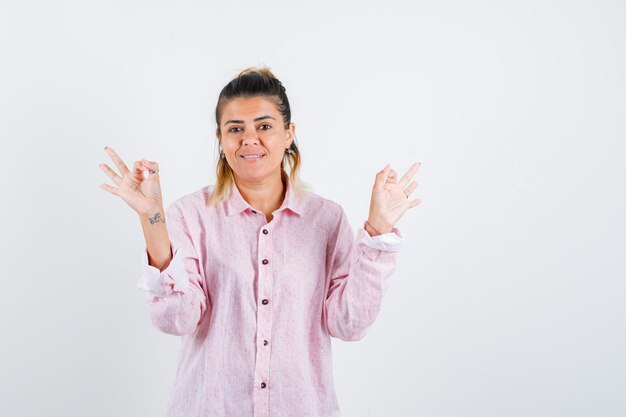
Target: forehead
[{"x": 247, "y": 108}]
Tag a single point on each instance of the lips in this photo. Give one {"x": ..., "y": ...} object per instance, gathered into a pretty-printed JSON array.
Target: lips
[{"x": 253, "y": 155}]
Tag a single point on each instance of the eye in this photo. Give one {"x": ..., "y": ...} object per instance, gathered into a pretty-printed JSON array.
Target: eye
[
  {"x": 231, "y": 129},
  {"x": 267, "y": 126}
]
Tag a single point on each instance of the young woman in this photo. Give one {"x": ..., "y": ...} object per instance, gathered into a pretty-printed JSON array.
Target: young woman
[{"x": 256, "y": 272}]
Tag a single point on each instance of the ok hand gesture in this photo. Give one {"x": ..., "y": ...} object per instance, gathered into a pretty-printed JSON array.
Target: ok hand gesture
[
  {"x": 390, "y": 199},
  {"x": 142, "y": 194}
]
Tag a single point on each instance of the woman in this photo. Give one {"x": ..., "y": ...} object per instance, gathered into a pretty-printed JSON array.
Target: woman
[{"x": 256, "y": 273}]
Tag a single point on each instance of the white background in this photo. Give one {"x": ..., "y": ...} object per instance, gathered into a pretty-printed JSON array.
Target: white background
[{"x": 509, "y": 296}]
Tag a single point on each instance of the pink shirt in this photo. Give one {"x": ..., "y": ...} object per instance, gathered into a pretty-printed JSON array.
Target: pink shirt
[{"x": 256, "y": 303}]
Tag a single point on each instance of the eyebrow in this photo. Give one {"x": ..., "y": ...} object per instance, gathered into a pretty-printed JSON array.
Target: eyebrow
[{"x": 256, "y": 120}]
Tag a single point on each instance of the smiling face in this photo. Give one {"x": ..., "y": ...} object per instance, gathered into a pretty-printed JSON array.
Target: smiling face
[{"x": 254, "y": 137}]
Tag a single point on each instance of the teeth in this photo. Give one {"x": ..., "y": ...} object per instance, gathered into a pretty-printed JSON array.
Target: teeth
[{"x": 252, "y": 156}]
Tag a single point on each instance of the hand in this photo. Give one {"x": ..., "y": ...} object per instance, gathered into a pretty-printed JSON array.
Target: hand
[
  {"x": 142, "y": 194},
  {"x": 390, "y": 199}
]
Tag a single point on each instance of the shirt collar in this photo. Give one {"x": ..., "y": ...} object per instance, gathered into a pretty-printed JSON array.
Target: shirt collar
[{"x": 236, "y": 204}]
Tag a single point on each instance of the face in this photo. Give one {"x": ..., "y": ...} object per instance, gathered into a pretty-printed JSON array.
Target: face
[{"x": 254, "y": 126}]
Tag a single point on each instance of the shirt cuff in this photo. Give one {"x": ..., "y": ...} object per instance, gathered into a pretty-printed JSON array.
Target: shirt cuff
[
  {"x": 154, "y": 281},
  {"x": 390, "y": 242}
]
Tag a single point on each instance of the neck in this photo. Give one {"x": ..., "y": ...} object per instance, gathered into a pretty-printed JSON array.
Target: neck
[{"x": 266, "y": 195}]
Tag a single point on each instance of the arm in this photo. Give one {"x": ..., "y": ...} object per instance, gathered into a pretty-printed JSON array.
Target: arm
[
  {"x": 359, "y": 277},
  {"x": 177, "y": 297},
  {"x": 156, "y": 237}
]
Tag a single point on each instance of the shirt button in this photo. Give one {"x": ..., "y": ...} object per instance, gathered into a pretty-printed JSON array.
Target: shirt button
[
  {"x": 263, "y": 385},
  {"x": 265, "y": 301},
  {"x": 264, "y": 231},
  {"x": 265, "y": 343},
  {"x": 265, "y": 261}
]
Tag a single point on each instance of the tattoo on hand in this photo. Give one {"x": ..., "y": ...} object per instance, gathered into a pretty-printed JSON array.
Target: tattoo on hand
[{"x": 156, "y": 218}]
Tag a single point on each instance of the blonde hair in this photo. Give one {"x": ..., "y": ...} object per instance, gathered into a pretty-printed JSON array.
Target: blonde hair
[{"x": 253, "y": 82}]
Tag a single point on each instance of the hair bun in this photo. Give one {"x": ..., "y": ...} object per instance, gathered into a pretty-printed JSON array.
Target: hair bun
[{"x": 265, "y": 71}]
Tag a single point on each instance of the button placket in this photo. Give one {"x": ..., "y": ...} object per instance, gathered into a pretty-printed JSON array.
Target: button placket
[{"x": 264, "y": 323}]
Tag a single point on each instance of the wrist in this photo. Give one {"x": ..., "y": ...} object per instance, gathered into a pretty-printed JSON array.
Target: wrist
[
  {"x": 375, "y": 229},
  {"x": 369, "y": 229},
  {"x": 156, "y": 211}
]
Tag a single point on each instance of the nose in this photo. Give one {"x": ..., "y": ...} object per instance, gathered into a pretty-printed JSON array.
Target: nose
[{"x": 250, "y": 137}]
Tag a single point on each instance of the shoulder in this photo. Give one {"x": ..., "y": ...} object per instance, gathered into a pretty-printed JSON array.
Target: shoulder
[
  {"x": 190, "y": 204},
  {"x": 318, "y": 206},
  {"x": 329, "y": 216}
]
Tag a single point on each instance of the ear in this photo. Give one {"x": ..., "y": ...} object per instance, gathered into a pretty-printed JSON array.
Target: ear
[
  {"x": 291, "y": 133},
  {"x": 217, "y": 135}
]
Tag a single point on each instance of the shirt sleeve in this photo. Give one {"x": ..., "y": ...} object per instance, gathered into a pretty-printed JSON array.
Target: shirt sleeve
[
  {"x": 391, "y": 241},
  {"x": 176, "y": 297},
  {"x": 359, "y": 278}
]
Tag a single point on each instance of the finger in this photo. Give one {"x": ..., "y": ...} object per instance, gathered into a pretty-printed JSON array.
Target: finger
[
  {"x": 112, "y": 174},
  {"x": 110, "y": 189},
  {"x": 118, "y": 161},
  {"x": 392, "y": 177},
  {"x": 409, "y": 174},
  {"x": 380, "y": 178},
  {"x": 412, "y": 186},
  {"x": 150, "y": 165},
  {"x": 414, "y": 203}
]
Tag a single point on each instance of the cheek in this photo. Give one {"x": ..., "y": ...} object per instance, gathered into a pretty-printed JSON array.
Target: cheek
[{"x": 230, "y": 147}]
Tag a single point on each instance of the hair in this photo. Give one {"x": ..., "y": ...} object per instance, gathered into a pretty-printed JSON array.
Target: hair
[{"x": 255, "y": 82}]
